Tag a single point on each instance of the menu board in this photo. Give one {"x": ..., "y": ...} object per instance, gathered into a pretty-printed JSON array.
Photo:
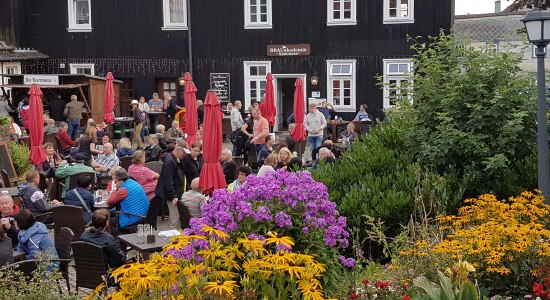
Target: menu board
[
  {"x": 6, "y": 162},
  {"x": 221, "y": 84}
]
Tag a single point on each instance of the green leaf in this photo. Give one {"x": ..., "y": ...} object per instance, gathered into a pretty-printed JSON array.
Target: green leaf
[{"x": 430, "y": 288}]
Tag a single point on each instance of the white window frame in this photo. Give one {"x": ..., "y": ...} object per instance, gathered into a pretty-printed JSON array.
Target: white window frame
[
  {"x": 73, "y": 26},
  {"x": 258, "y": 25},
  {"x": 6, "y": 79},
  {"x": 398, "y": 20},
  {"x": 400, "y": 76},
  {"x": 352, "y": 107},
  {"x": 75, "y": 67},
  {"x": 168, "y": 25},
  {"x": 248, "y": 78},
  {"x": 337, "y": 22}
]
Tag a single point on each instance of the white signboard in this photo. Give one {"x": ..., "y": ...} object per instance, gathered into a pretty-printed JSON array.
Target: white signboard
[
  {"x": 41, "y": 79},
  {"x": 316, "y": 94}
]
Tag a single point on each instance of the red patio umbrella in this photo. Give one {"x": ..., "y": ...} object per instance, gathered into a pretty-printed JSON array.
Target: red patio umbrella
[
  {"x": 299, "y": 132},
  {"x": 269, "y": 111},
  {"x": 191, "y": 116},
  {"x": 109, "y": 99},
  {"x": 36, "y": 125},
  {"x": 212, "y": 177}
]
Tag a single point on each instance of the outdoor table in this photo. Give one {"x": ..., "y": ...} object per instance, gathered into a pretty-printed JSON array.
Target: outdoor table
[
  {"x": 19, "y": 256},
  {"x": 100, "y": 197},
  {"x": 122, "y": 121},
  {"x": 140, "y": 245},
  {"x": 155, "y": 115},
  {"x": 24, "y": 140},
  {"x": 335, "y": 124}
]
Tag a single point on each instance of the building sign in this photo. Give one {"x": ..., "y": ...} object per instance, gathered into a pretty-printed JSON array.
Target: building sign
[
  {"x": 41, "y": 79},
  {"x": 288, "y": 50},
  {"x": 221, "y": 84}
]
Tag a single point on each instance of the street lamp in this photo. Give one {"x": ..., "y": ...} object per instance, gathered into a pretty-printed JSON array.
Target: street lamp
[{"x": 537, "y": 24}]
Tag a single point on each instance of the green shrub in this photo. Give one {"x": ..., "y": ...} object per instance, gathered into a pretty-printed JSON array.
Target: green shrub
[{"x": 20, "y": 156}]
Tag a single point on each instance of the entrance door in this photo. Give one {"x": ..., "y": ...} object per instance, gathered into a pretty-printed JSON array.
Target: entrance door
[{"x": 284, "y": 97}]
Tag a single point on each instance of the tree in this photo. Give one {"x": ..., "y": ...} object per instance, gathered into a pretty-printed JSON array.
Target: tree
[{"x": 520, "y": 4}]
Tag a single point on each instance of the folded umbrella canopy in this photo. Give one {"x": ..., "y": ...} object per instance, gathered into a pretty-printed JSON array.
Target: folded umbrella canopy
[
  {"x": 36, "y": 125},
  {"x": 212, "y": 177},
  {"x": 269, "y": 111},
  {"x": 109, "y": 100},
  {"x": 299, "y": 132},
  {"x": 191, "y": 115}
]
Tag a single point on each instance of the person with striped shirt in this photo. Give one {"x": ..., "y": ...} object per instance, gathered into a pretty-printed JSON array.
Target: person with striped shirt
[{"x": 193, "y": 199}]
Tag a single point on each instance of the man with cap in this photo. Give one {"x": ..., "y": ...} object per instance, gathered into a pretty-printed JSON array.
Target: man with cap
[{"x": 65, "y": 170}]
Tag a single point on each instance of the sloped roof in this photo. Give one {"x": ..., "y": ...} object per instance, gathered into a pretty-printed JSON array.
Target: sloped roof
[
  {"x": 504, "y": 26},
  {"x": 9, "y": 53}
]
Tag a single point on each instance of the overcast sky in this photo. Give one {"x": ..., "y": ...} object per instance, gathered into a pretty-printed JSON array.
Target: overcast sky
[{"x": 477, "y": 6}]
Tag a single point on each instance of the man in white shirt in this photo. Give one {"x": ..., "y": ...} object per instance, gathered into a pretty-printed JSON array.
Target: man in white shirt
[
  {"x": 314, "y": 123},
  {"x": 236, "y": 124}
]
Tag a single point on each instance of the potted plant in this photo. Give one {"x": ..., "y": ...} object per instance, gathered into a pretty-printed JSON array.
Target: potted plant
[{"x": 4, "y": 128}]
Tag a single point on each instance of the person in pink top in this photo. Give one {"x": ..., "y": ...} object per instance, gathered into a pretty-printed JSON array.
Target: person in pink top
[
  {"x": 261, "y": 129},
  {"x": 143, "y": 175}
]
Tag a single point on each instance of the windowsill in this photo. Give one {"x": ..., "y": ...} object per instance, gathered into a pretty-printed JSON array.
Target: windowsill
[
  {"x": 258, "y": 26},
  {"x": 344, "y": 110},
  {"x": 167, "y": 28},
  {"x": 398, "y": 21},
  {"x": 79, "y": 29},
  {"x": 341, "y": 23}
]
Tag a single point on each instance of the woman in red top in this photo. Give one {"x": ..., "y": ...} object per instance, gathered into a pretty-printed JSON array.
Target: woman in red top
[
  {"x": 66, "y": 141},
  {"x": 143, "y": 175}
]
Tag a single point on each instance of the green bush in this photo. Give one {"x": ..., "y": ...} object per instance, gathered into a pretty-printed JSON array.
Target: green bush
[{"x": 20, "y": 156}]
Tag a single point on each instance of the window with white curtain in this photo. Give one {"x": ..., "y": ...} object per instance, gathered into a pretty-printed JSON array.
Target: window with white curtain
[
  {"x": 80, "y": 17},
  {"x": 341, "y": 12},
  {"x": 396, "y": 81},
  {"x": 257, "y": 14},
  {"x": 175, "y": 14},
  {"x": 398, "y": 11},
  {"x": 341, "y": 84},
  {"x": 255, "y": 81}
]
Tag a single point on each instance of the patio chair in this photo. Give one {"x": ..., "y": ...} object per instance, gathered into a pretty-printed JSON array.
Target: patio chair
[
  {"x": 185, "y": 216},
  {"x": 69, "y": 216},
  {"x": 155, "y": 166},
  {"x": 90, "y": 265},
  {"x": 125, "y": 162},
  {"x": 5, "y": 179},
  {"x": 27, "y": 267},
  {"x": 63, "y": 241},
  {"x": 72, "y": 180}
]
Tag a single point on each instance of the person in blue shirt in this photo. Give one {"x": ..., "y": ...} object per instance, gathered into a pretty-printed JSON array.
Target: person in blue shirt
[
  {"x": 362, "y": 114},
  {"x": 33, "y": 236},
  {"x": 87, "y": 202}
]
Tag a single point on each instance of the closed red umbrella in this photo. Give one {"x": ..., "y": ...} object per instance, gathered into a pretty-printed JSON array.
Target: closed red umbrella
[
  {"x": 191, "y": 116},
  {"x": 36, "y": 125},
  {"x": 212, "y": 177},
  {"x": 299, "y": 132},
  {"x": 109, "y": 99},
  {"x": 269, "y": 111}
]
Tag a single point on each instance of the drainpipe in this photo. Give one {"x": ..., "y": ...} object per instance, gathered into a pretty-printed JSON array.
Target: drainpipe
[{"x": 189, "y": 39}]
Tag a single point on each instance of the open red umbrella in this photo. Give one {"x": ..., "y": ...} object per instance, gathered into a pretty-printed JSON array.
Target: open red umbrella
[
  {"x": 109, "y": 99},
  {"x": 299, "y": 132},
  {"x": 269, "y": 111},
  {"x": 212, "y": 177},
  {"x": 36, "y": 125},
  {"x": 191, "y": 116}
]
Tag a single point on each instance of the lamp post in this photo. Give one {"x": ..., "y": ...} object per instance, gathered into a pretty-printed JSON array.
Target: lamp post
[{"x": 537, "y": 24}]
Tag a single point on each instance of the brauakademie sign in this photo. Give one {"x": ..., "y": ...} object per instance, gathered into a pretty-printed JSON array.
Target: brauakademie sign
[
  {"x": 288, "y": 50},
  {"x": 41, "y": 79}
]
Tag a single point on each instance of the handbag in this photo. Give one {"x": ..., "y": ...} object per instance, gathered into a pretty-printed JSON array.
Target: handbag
[{"x": 83, "y": 202}]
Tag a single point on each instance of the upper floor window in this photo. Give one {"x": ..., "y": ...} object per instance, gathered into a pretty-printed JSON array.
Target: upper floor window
[
  {"x": 255, "y": 81},
  {"x": 80, "y": 16},
  {"x": 396, "y": 80},
  {"x": 257, "y": 14},
  {"x": 341, "y": 12},
  {"x": 84, "y": 69},
  {"x": 175, "y": 14},
  {"x": 341, "y": 84},
  {"x": 398, "y": 11}
]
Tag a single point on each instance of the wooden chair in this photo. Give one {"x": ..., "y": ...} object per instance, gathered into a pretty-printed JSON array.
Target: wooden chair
[
  {"x": 63, "y": 241},
  {"x": 125, "y": 162},
  {"x": 5, "y": 179},
  {"x": 155, "y": 166},
  {"x": 90, "y": 265},
  {"x": 28, "y": 266},
  {"x": 185, "y": 216},
  {"x": 69, "y": 216}
]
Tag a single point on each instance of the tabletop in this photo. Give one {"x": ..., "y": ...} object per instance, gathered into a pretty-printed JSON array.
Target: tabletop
[
  {"x": 13, "y": 191},
  {"x": 334, "y": 122},
  {"x": 139, "y": 244},
  {"x": 155, "y": 112},
  {"x": 124, "y": 119}
]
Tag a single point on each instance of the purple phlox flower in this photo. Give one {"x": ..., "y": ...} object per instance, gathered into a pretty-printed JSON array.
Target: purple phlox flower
[
  {"x": 175, "y": 288},
  {"x": 283, "y": 220},
  {"x": 198, "y": 243},
  {"x": 254, "y": 236},
  {"x": 347, "y": 262},
  {"x": 263, "y": 213},
  {"x": 305, "y": 230},
  {"x": 281, "y": 247}
]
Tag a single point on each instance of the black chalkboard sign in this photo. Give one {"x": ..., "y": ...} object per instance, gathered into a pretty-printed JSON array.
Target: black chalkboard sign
[
  {"x": 6, "y": 163},
  {"x": 221, "y": 84}
]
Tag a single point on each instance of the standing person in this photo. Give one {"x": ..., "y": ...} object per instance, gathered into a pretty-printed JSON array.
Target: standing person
[
  {"x": 236, "y": 125},
  {"x": 314, "y": 123},
  {"x": 155, "y": 105},
  {"x": 73, "y": 112},
  {"x": 5, "y": 108},
  {"x": 196, "y": 156},
  {"x": 177, "y": 172},
  {"x": 99, "y": 236},
  {"x": 170, "y": 107},
  {"x": 200, "y": 111},
  {"x": 260, "y": 131},
  {"x": 25, "y": 114},
  {"x": 144, "y": 107},
  {"x": 139, "y": 118},
  {"x": 56, "y": 108}
]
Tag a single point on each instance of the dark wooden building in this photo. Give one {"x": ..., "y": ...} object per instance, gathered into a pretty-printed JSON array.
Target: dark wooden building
[{"x": 346, "y": 44}]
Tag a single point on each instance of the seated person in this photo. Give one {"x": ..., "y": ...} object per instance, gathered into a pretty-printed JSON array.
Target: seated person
[
  {"x": 6, "y": 249},
  {"x": 153, "y": 151},
  {"x": 270, "y": 163},
  {"x": 336, "y": 152},
  {"x": 130, "y": 195},
  {"x": 144, "y": 176},
  {"x": 34, "y": 199},
  {"x": 349, "y": 135},
  {"x": 193, "y": 199},
  {"x": 166, "y": 153},
  {"x": 174, "y": 132},
  {"x": 196, "y": 156},
  {"x": 105, "y": 162},
  {"x": 244, "y": 171},
  {"x": 324, "y": 155},
  {"x": 229, "y": 166},
  {"x": 87, "y": 144},
  {"x": 362, "y": 114},
  {"x": 52, "y": 161},
  {"x": 267, "y": 148},
  {"x": 287, "y": 162},
  {"x": 7, "y": 211},
  {"x": 50, "y": 127},
  {"x": 124, "y": 148},
  {"x": 15, "y": 130},
  {"x": 160, "y": 135},
  {"x": 290, "y": 141},
  {"x": 66, "y": 141},
  {"x": 80, "y": 196},
  {"x": 65, "y": 170},
  {"x": 97, "y": 235},
  {"x": 106, "y": 138},
  {"x": 33, "y": 236}
]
